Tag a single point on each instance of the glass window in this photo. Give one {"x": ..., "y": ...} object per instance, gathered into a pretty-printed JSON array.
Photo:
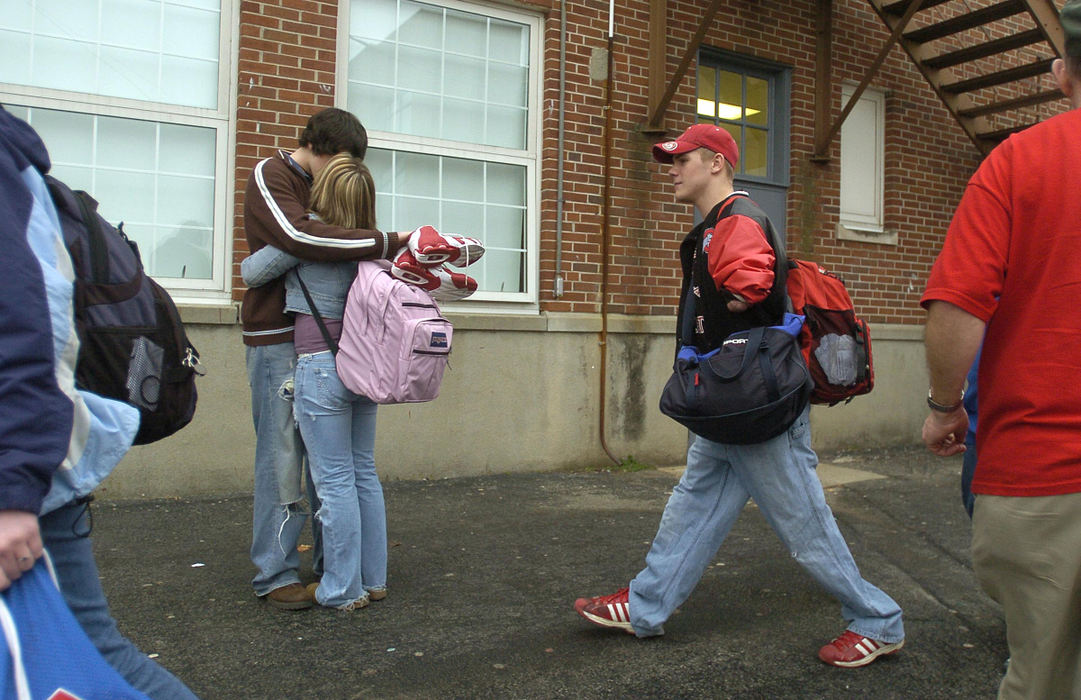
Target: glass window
[
  {"x": 152, "y": 50},
  {"x": 125, "y": 95},
  {"x": 446, "y": 92},
  {"x": 863, "y": 142},
  {"x": 739, "y": 103},
  {"x": 749, "y": 98}
]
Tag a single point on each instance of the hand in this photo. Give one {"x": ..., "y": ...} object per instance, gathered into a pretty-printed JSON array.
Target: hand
[
  {"x": 737, "y": 305},
  {"x": 944, "y": 433},
  {"x": 20, "y": 545}
]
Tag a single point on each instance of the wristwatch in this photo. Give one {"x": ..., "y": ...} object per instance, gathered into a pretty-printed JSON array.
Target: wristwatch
[{"x": 936, "y": 406}]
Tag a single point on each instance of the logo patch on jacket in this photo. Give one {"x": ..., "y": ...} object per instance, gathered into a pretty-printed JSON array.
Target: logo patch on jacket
[{"x": 706, "y": 240}]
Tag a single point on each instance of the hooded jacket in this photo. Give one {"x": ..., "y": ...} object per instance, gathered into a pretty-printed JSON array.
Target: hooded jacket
[{"x": 57, "y": 443}]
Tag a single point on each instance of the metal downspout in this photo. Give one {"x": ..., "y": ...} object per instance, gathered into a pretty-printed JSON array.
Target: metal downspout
[
  {"x": 557, "y": 289},
  {"x": 605, "y": 228}
]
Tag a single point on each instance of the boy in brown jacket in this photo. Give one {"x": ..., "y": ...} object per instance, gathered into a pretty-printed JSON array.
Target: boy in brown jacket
[{"x": 276, "y": 213}]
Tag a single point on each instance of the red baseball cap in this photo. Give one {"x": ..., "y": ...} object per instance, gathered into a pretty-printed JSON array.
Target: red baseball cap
[{"x": 707, "y": 136}]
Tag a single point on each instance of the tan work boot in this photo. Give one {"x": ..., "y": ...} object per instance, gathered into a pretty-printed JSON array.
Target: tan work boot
[{"x": 291, "y": 597}]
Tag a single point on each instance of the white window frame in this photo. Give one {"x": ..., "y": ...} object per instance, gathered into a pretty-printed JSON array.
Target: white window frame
[
  {"x": 864, "y": 152},
  {"x": 217, "y": 289},
  {"x": 480, "y": 301}
]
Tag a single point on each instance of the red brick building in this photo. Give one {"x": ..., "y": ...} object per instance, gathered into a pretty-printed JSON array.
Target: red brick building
[{"x": 528, "y": 125}]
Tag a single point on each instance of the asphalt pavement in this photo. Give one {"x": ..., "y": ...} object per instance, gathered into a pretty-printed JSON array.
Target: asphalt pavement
[{"x": 484, "y": 572}]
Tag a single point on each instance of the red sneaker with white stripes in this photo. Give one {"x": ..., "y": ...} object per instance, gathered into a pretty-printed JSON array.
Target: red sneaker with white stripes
[
  {"x": 607, "y": 610},
  {"x": 851, "y": 650}
]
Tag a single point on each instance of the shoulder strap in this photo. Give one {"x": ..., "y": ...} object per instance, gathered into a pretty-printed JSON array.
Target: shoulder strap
[{"x": 331, "y": 343}]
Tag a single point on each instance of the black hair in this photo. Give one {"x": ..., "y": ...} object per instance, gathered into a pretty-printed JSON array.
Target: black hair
[
  {"x": 333, "y": 131},
  {"x": 1073, "y": 66}
]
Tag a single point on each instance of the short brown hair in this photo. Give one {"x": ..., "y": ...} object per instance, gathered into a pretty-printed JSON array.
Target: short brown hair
[{"x": 334, "y": 130}]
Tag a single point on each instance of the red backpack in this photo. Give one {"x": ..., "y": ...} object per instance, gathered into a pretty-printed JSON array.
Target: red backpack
[{"x": 836, "y": 343}]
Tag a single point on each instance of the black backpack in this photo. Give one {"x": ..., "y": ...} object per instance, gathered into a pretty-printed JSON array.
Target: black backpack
[{"x": 132, "y": 344}]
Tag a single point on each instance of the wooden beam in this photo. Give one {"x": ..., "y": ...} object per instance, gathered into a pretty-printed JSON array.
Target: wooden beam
[
  {"x": 654, "y": 123},
  {"x": 821, "y": 153},
  {"x": 657, "y": 61},
  {"x": 823, "y": 78}
]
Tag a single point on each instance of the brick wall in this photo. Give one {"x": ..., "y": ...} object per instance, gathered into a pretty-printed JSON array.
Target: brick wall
[{"x": 287, "y": 71}]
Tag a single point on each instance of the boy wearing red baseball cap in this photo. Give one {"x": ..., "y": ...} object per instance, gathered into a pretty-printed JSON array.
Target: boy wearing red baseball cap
[{"x": 733, "y": 281}]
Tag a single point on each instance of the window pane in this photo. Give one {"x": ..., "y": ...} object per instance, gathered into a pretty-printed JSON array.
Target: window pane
[
  {"x": 147, "y": 50},
  {"x": 463, "y": 179},
  {"x": 417, "y": 114},
  {"x": 380, "y": 163},
  {"x": 376, "y": 58},
  {"x": 417, "y": 174},
  {"x": 183, "y": 150},
  {"x": 68, "y": 136},
  {"x": 423, "y": 69},
  {"x": 126, "y": 144},
  {"x": 467, "y": 33},
  {"x": 506, "y": 127},
  {"x": 376, "y": 19},
  {"x": 464, "y": 219},
  {"x": 422, "y": 25},
  {"x": 730, "y": 96},
  {"x": 411, "y": 212},
  {"x": 501, "y": 271},
  {"x": 374, "y": 106},
  {"x": 707, "y": 91},
  {"x": 463, "y": 121},
  {"x": 184, "y": 253},
  {"x": 506, "y": 184},
  {"x": 464, "y": 77},
  {"x": 134, "y": 24},
  {"x": 754, "y": 156},
  {"x": 757, "y": 101},
  {"x": 508, "y": 84},
  {"x": 190, "y": 33},
  {"x": 508, "y": 42},
  {"x": 504, "y": 227}
]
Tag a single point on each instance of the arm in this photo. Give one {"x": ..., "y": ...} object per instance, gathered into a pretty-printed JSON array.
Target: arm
[
  {"x": 35, "y": 415},
  {"x": 952, "y": 339},
  {"x": 741, "y": 261},
  {"x": 275, "y": 214},
  {"x": 266, "y": 264}
]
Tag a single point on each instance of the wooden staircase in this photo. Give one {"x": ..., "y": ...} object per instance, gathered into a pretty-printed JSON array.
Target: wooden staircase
[{"x": 988, "y": 60}]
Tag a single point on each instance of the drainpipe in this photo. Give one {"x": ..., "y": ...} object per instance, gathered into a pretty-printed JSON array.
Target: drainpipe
[
  {"x": 557, "y": 291},
  {"x": 605, "y": 228}
]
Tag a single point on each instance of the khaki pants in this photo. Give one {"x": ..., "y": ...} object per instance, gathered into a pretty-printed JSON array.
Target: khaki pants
[{"x": 1027, "y": 557}]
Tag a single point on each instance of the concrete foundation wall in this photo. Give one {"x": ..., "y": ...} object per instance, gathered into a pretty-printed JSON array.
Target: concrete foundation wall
[{"x": 521, "y": 394}]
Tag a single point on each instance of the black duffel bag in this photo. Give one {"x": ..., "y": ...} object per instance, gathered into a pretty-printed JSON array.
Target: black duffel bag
[{"x": 749, "y": 390}]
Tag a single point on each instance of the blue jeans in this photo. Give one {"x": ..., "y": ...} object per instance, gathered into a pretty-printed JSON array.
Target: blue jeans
[
  {"x": 338, "y": 427},
  {"x": 65, "y": 532},
  {"x": 779, "y": 475},
  {"x": 276, "y": 527}
]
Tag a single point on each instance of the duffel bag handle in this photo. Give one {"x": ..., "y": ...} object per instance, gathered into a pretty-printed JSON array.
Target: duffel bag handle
[{"x": 757, "y": 346}]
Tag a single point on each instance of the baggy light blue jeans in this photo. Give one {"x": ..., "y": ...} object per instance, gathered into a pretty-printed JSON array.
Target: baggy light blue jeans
[
  {"x": 779, "y": 475},
  {"x": 276, "y": 527},
  {"x": 338, "y": 427},
  {"x": 65, "y": 532}
]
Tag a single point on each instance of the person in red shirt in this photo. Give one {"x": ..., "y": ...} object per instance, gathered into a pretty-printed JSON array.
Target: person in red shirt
[
  {"x": 733, "y": 281},
  {"x": 1009, "y": 267}
]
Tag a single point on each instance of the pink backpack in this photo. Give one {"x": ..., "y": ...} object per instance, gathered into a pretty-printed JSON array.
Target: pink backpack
[{"x": 395, "y": 343}]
